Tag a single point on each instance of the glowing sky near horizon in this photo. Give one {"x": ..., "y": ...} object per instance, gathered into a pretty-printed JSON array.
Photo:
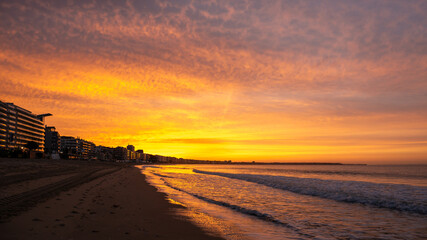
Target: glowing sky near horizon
[{"x": 342, "y": 81}]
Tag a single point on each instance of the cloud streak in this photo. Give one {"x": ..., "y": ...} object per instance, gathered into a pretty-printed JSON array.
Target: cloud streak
[{"x": 239, "y": 71}]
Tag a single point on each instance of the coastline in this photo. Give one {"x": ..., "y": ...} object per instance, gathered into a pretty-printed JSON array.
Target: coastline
[{"x": 119, "y": 205}]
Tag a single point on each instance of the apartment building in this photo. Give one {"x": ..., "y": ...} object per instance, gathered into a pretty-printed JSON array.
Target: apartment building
[
  {"x": 52, "y": 140},
  {"x": 77, "y": 147},
  {"x": 121, "y": 154},
  {"x": 19, "y": 126},
  {"x": 69, "y": 146}
]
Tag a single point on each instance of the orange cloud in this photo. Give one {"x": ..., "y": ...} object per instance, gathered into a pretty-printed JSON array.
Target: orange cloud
[{"x": 288, "y": 81}]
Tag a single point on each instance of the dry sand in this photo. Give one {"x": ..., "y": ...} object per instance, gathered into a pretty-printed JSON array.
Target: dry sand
[{"x": 120, "y": 205}]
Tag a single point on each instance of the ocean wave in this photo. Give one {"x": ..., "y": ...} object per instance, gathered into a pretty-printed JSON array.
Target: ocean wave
[
  {"x": 348, "y": 173},
  {"x": 161, "y": 175},
  {"x": 392, "y": 196},
  {"x": 144, "y": 167},
  {"x": 259, "y": 215},
  {"x": 342, "y": 172}
]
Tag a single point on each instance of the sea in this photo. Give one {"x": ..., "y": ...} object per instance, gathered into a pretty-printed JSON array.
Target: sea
[{"x": 299, "y": 201}]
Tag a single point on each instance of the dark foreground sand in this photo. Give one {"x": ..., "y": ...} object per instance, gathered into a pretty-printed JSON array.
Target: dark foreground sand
[{"x": 120, "y": 205}]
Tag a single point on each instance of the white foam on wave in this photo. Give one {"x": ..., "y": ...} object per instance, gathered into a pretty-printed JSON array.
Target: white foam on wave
[
  {"x": 259, "y": 215},
  {"x": 393, "y": 196}
]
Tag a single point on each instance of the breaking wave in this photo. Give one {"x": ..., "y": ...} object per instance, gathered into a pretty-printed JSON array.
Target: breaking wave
[
  {"x": 392, "y": 196},
  {"x": 262, "y": 216}
]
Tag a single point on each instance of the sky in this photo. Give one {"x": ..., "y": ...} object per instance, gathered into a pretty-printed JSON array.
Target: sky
[{"x": 311, "y": 81}]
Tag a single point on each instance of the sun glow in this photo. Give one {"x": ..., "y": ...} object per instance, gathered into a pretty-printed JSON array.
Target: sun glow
[{"x": 198, "y": 82}]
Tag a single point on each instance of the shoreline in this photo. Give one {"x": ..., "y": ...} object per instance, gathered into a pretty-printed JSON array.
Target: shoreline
[{"x": 120, "y": 205}]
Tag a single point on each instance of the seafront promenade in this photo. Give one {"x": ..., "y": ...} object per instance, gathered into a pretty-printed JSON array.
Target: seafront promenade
[{"x": 46, "y": 199}]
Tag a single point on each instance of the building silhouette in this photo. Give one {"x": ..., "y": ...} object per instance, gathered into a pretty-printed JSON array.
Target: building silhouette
[
  {"x": 19, "y": 126},
  {"x": 52, "y": 140},
  {"x": 77, "y": 148}
]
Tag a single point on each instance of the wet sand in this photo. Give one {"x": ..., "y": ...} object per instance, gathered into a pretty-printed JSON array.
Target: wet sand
[{"x": 120, "y": 205}]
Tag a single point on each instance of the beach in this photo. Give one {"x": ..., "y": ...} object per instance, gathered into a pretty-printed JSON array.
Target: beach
[
  {"x": 111, "y": 202},
  {"x": 46, "y": 199}
]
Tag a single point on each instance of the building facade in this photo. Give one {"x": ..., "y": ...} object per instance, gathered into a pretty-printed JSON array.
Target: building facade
[
  {"x": 86, "y": 149},
  {"x": 121, "y": 154},
  {"x": 77, "y": 148},
  {"x": 140, "y": 156},
  {"x": 19, "y": 126},
  {"x": 104, "y": 153},
  {"x": 69, "y": 146},
  {"x": 52, "y": 140}
]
